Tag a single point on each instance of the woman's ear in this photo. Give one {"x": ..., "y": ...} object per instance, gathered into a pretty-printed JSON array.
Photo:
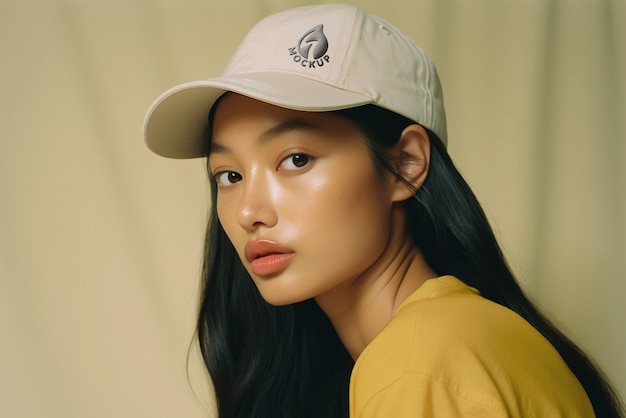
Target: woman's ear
[{"x": 411, "y": 160}]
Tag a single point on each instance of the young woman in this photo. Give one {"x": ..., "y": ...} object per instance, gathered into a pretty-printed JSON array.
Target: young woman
[{"x": 349, "y": 269}]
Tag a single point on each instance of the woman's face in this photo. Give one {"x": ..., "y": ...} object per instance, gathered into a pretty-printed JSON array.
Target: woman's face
[{"x": 298, "y": 196}]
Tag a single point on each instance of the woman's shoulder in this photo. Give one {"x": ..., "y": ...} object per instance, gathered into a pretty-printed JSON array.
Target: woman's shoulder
[
  {"x": 447, "y": 308},
  {"x": 447, "y": 334},
  {"x": 445, "y": 314}
]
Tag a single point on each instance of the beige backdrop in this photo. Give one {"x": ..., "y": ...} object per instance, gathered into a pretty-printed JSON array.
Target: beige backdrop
[{"x": 100, "y": 240}]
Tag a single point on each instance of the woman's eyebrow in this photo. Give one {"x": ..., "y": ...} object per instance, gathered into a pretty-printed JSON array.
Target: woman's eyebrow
[
  {"x": 273, "y": 132},
  {"x": 286, "y": 126}
]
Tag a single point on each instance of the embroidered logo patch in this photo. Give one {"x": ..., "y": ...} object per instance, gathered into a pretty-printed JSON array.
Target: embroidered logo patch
[{"x": 310, "y": 51}]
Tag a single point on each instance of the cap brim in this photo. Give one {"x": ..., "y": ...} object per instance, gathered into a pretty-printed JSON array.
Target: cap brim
[{"x": 175, "y": 124}]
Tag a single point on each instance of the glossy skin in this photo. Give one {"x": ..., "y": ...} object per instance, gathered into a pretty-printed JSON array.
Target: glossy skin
[{"x": 310, "y": 215}]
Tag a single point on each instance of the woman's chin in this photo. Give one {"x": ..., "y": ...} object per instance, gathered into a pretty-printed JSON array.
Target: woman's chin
[{"x": 282, "y": 300}]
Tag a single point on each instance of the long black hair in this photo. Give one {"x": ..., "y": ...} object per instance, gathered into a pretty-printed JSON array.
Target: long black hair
[{"x": 275, "y": 362}]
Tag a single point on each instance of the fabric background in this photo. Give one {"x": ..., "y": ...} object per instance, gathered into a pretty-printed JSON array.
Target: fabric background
[{"x": 100, "y": 240}]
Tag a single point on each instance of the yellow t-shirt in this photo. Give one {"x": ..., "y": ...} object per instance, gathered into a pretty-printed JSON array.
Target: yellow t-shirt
[{"x": 448, "y": 352}]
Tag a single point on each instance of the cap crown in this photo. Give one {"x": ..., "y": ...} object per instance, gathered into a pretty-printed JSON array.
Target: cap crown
[{"x": 342, "y": 47}]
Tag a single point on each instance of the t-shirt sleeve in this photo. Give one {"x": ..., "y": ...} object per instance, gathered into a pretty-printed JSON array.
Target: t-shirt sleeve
[{"x": 416, "y": 395}]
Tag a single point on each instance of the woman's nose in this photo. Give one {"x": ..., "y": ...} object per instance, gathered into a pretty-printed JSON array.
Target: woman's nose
[{"x": 256, "y": 207}]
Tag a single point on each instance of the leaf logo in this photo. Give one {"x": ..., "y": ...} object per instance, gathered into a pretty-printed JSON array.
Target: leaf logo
[
  {"x": 310, "y": 51},
  {"x": 310, "y": 38}
]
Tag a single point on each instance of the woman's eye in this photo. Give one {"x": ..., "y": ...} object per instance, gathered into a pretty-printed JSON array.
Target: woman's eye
[
  {"x": 227, "y": 178},
  {"x": 295, "y": 162}
]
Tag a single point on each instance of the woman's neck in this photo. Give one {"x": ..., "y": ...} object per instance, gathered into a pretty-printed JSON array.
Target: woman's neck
[{"x": 362, "y": 307}]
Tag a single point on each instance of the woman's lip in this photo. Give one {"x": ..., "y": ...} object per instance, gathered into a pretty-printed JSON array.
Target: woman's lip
[
  {"x": 267, "y": 257},
  {"x": 271, "y": 263},
  {"x": 263, "y": 249}
]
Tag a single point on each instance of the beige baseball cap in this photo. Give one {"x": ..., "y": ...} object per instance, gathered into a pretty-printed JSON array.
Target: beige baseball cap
[{"x": 313, "y": 58}]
